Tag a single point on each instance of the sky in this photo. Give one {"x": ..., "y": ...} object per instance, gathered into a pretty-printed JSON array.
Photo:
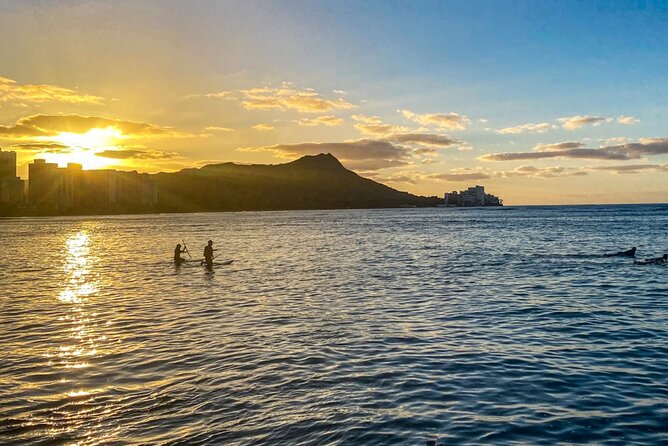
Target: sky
[{"x": 542, "y": 102}]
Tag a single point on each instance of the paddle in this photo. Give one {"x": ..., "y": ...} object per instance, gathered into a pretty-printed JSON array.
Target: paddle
[{"x": 185, "y": 248}]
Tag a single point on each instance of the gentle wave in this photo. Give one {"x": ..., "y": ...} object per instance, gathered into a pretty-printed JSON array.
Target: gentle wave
[{"x": 337, "y": 327}]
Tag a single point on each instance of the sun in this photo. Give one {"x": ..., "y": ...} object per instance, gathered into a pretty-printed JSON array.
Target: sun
[{"x": 82, "y": 148}]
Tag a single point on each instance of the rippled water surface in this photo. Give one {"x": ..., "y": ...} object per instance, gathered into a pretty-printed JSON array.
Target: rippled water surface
[{"x": 464, "y": 326}]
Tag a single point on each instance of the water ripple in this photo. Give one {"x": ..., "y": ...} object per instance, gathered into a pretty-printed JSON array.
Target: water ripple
[{"x": 503, "y": 326}]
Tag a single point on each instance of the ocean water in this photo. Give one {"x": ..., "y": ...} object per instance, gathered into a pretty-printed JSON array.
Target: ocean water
[{"x": 462, "y": 326}]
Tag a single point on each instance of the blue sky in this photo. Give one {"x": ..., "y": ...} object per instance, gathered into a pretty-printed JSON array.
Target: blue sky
[{"x": 587, "y": 74}]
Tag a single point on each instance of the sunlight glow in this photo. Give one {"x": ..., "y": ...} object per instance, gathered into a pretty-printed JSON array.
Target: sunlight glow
[{"x": 83, "y": 147}]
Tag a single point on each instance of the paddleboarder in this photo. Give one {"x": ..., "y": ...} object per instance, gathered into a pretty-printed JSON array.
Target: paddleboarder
[
  {"x": 208, "y": 254},
  {"x": 177, "y": 254}
]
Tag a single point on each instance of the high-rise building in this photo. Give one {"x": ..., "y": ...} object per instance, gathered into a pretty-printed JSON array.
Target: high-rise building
[
  {"x": 46, "y": 184},
  {"x": 12, "y": 188},
  {"x": 7, "y": 164},
  {"x": 473, "y": 196},
  {"x": 74, "y": 189}
]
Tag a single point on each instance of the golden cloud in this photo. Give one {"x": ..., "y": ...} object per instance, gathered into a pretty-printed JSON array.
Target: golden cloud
[
  {"x": 541, "y": 127},
  {"x": 304, "y": 100},
  {"x": 11, "y": 91},
  {"x": 576, "y": 122},
  {"x": 40, "y": 126},
  {"x": 214, "y": 128},
  {"x": 263, "y": 127},
  {"x": 327, "y": 120},
  {"x": 450, "y": 121},
  {"x": 373, "y": 125}
]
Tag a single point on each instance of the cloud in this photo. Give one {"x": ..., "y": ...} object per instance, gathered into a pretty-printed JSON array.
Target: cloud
[
  {"x": 533, "y": 172},
  {"x": 218, "y": 129},
  {"x": 632, "y": 168},
  {"x": 363, "y": 154},
  {"x": 373, "y": 125},
  {"x": 558, "y": 146},
  {"x": 11, "y": 91},
  {"x": 541, "y": 172},
  {"x": 231, "y": 95},
  {"x": 426, "y": 139},
  {"x": 428, "y": 151},
  {"x": 372, "y": 164},
  {"x": 399, "y": 178},
  {"x": 576, "y": 122},
  {"x": 614, "y": 140},
  {"x": 137, "y": 154},
  {"x": 526, "y": 128},
  {"x": 575, "y": 150},
  {"x": 49, "y": 147},
  {"x": 263, "y": 127},
  {"x": 627, "y": 120},
  {"x": 327, "y": 120},
  {"x": 568, "y": 123},
  {"x": 462, "y": 174},
  {"x": 287, "y": 97},
  {"x": 449, "y": 121},
  {"x": 36, "y": 126}
]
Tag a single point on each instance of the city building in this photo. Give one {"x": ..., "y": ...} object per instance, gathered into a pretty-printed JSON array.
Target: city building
[
  {"x": 71, "y": 188},
  {"x": 12, "y": 188},
  {"x": 473, "y": 196},
  {"x": 7, "y": 164}
]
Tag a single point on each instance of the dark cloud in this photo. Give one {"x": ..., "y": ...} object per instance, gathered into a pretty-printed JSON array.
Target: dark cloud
[
  {"x": 372, "y": 164},
  {"x": 559, "y": 146},
  {"x": 364, "y": 154},
  {"x": 137, "y": 154},
  {"x": 427, "y": 139},
  {"x": 397, "y": 179},
  {"x": 426, "y": 151},
  {"x": 622, "y": 152},
  {"x": 542, "y": 172},
  {"x": 632, "y": 168},
  {"x": 51, "y": 125},
  {"x": 461, "y": 175},
  {"x": 51, "y": 147}
]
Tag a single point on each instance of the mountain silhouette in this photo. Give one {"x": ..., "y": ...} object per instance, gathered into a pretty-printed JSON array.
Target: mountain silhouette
[{"x": 311, "y": 182}]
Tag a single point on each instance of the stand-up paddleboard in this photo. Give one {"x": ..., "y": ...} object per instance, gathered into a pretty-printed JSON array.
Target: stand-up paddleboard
[
  {"x": 219, "y": 262},
  {"x": 650, "y": 262}
]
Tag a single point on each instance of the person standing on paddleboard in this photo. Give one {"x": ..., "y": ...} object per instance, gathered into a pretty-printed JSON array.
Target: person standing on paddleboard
[
  {"x": 177, "y": 254},
  {"x": 208, "y": 254}
]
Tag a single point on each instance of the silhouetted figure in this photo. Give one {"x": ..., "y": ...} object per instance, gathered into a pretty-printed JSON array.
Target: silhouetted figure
[
  {"x": 628, "y": 253},
  {"x": 177, "y": 254},
  {"x": 208, "y": 254},
  {"x": 655, "y": 261}
]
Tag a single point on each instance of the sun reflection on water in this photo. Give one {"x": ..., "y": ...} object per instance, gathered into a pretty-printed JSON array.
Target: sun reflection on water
[
  {"x": 83, "y": 342},
  {"x": 77, "y": 268}
]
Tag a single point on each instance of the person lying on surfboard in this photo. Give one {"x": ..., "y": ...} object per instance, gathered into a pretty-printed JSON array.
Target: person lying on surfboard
[
  {"x": 628, "y": 253},
  {"x": 177, "y": 254},
  {"x": 655, "y": 261}
]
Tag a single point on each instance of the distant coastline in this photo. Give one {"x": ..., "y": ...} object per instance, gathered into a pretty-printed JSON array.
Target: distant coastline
[{"x": 316, "y": 182}]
